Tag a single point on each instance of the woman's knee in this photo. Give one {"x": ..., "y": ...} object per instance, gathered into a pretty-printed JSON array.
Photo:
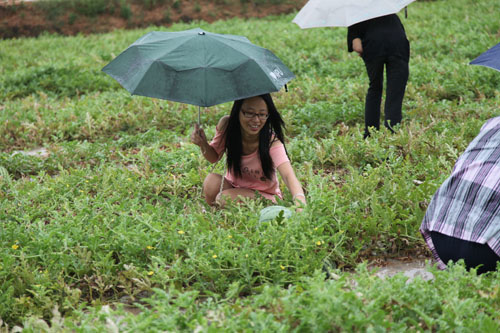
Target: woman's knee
[{"x": 211, "y": 187}]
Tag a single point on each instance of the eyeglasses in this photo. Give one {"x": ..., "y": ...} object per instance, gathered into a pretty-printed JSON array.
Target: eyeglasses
[{"x": 250, "y": 115}]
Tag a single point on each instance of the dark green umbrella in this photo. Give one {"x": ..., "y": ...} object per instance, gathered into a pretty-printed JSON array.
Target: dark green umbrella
[{"x": 197, "y": 67}]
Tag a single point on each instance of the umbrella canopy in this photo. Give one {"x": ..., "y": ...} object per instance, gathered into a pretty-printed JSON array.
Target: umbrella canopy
[
  {"x": 197, "y": 67},
  {"x": 343, "y": 13},
  {"x": 490, "y": 58}
]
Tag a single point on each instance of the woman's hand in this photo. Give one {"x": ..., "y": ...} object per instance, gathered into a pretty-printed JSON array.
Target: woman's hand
[
  {"x": 299, "y": 200},
  {"x": 198, "y": 136},
  {"x": 357, "y": 46}
]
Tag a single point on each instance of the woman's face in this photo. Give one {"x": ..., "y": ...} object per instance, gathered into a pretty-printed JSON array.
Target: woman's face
[{"x": 253, "y": 115}]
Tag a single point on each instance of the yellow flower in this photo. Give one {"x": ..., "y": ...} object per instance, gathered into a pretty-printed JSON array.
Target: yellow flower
[
  {"x": 282, "y": 267},
  {"x": 214, "y": 256},
  {"x": 315, "y": 229},
  {"x": 129, "y": 179},
  {"x": 149, "y": 247},
  {"x": 229, "y": 236},
  {"x": 318, "y": 243},
  {"x": 246, "y": 255},
  {"x": 15, "y": 247},
  {"x": 180, "y": 232},
  {"x": 150, "y": 273}
]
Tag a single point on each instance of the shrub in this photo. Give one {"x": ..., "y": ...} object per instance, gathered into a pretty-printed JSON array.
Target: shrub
[
  {"x": 72, "y": 18},
  {"x": 91, "y": 8},
  {"x": 125, "y": 10},
  {"x": 167, "y": 16},
  {"x": 176, "y": 5}
]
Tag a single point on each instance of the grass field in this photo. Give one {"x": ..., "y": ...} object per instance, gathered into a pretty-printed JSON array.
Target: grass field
[{"x": 114, "y": 214}]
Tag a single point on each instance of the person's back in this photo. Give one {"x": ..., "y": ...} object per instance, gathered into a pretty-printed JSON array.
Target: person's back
[
  {"x": 381, "y": 36},
  {"x": 463, "y": 217}
]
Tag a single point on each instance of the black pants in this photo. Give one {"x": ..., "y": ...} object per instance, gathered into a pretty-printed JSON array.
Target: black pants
[
  {"x": 474, "y": 254},
  {"x": 397, "y": 76}
]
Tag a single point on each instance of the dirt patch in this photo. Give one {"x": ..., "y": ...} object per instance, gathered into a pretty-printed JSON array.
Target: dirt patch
[
  {"x": 30, "y": 19},
  {"x": 38, "y": 152},
  {"x": 411, "y": 268}
]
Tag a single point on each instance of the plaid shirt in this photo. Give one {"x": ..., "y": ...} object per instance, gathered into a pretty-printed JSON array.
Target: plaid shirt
[{"x": 467, "y": 205}]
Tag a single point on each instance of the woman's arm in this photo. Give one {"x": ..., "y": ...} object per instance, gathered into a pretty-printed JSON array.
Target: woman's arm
[
  {"x": 198, "y": 138},
  {"x": 292, "y": 183}
]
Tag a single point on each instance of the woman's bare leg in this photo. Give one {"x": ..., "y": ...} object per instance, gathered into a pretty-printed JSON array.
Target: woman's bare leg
[
  {"x": 211, "y": 187},
  {"x": 235, "y": 194}
]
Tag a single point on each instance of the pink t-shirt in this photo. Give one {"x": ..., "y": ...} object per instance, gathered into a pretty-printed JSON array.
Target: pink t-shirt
[{"x": 252, "y": 176}]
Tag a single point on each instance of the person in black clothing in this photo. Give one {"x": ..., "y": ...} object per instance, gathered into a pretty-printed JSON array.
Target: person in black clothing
[{"x": 382, "y": 41}]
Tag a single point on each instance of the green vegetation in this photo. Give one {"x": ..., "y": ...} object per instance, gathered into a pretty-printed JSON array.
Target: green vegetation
[{"x": 114, "y": 213}]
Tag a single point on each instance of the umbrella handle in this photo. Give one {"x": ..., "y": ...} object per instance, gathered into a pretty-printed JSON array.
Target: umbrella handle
[
  {"x": 199, "y": 116},
  {"x": 406, "y": 12}
]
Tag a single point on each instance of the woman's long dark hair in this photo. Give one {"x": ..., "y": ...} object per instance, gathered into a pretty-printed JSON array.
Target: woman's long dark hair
[{"x": 234, "y": 145}]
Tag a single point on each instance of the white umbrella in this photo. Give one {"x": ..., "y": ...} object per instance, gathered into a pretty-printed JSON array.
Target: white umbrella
[{"x": 343, "y": 13}]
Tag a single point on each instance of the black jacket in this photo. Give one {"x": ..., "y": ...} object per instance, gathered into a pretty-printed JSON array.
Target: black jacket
[{"x": 381, "y": 36}]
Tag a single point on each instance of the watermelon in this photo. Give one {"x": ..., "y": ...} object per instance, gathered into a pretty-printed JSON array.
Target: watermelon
[{"x": 271, "y": 212}]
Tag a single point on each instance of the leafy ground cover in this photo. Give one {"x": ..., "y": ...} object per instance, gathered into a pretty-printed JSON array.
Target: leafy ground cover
[{"x": 114, "y": 213}]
